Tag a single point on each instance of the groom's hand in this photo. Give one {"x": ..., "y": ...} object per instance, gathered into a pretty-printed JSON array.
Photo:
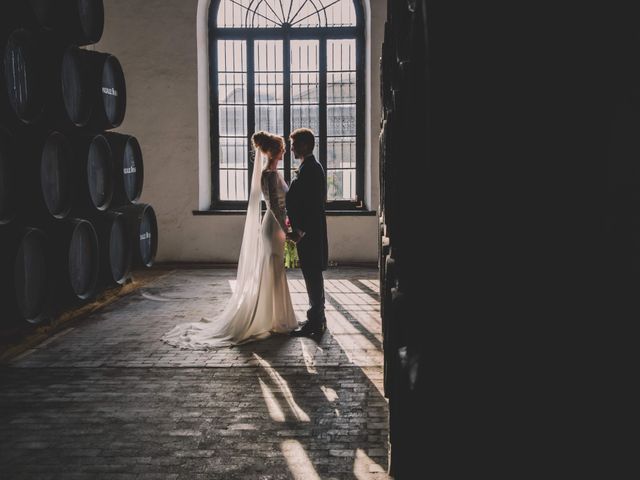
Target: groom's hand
[{"x": 295, "y": 236}]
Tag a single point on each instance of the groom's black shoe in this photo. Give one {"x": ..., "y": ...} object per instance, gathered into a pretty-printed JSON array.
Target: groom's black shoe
[{"x": 311, "y": 329}]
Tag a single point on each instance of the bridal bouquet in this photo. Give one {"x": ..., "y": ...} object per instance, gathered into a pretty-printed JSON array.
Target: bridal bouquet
[
  {"x": 290, "y": 250},
  {"x": 290, "y": 254}
]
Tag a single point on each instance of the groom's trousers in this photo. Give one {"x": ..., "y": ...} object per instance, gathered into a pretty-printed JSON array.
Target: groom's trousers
[
  {"x": 311, "y": 265},
  {"x": 310, "y": 254},
  {"x": 314, "y": 282}
]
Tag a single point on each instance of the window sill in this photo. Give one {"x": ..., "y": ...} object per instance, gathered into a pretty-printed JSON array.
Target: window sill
[{"x": 329, "y": 213}]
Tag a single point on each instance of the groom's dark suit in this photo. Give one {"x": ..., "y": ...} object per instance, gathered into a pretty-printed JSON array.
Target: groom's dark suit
[{"x": 305, "y": 206}]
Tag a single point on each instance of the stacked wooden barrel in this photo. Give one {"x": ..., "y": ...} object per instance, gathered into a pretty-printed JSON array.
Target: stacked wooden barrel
[
  {"x": 70, "y": 221},
  {"x": 403, "y": 137}
]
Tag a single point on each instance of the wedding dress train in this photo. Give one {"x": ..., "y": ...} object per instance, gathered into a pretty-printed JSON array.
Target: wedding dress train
[{"x": 261, "y": 302}]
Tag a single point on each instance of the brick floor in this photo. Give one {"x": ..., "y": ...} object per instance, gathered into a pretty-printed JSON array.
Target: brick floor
[{"x": 107, "y": 399}]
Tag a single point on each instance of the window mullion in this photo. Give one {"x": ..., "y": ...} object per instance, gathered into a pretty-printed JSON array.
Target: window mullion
[
  {"x": 360, "y": 117},
  {"x": 251, "y": 108},
  {"x": 214, "y": 119},
  {"x": 322, "y": 134},
  {"x": 286, "y": 91}
]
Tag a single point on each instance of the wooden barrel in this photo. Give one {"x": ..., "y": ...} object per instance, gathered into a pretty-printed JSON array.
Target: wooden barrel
[
  {"x": 381, "y": 254},
  {"x": 18, "y": 14},
  {"x": 7, "y": 20},
  {"x": 76, "y": 21},
  {"x": 383, "y": 161},
  {"x": 76, "y": 258},
  {"x": 25, "y": 276},
  {"x": 110, "y": 100},
  {"x": 387, "y": 314},
  {"x": 93, "y": 174},
  {"x": 71, "y": 102},
  {"x": 387, "y": 168},
  {"x": 46, "y": 176},
  {"x": 99, "y": 173},
  {"x": 8, "y": 180},
  {"x": 399, "y": 385},
  {"x": 22, "y": 94},
  {"x": 115, "y": 248},
  {"x": 43, "y": 11},
  {"x": 89, "y": 90},
  {"x": 128, "y": 166},
  {"x": 56, "y": 175},
  {"x": 64, "y": 176},
  {"x": 143, "y": 227}
]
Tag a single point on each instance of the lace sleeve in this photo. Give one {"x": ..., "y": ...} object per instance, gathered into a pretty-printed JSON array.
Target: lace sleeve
[{"x": 274, "y": 197}]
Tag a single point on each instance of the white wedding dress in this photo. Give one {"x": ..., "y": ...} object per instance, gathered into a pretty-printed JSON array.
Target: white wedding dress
[{"x": 261, "y": 302}]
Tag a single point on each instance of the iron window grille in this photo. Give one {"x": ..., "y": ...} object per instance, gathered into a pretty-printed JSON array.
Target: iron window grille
[{"x": 277, "y": 65}]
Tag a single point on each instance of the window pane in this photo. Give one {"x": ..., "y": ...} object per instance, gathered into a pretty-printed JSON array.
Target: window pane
[
  {"x": 270, "y": 118},
  {"x": 332, "y": 13},
  {"x": 268, "y": 56},
  {"x": 263, "y": 14},
  {"x": 233, "y": 121},
  {"x": 341, "y": 120},
  {"x": 341, "y": 87},
  {"x": 341, "y": 184},
  {"x": 233, "y": 153},
  {"x": 306, "y": 15},
  {"x": 305, "y": 94},
  {"x": 341, "y": 152},
  {"x": 341, "y": 14},
  {"x": 341, "y": 55},
  {"x": 305, "y": 116},
  {"x": 305, "y": 88},
  {"x": 268, "y": 88},
  {"x": 232, "y": 88},
  {"x": 249, "y": 13},
  {"x": 232, "y": 56},
  {"x": 297, "y": 13},
  {"x": 233, "y": 184},
  {"x": 304, "y": 55},
  {"x": 269, "y": 95}
]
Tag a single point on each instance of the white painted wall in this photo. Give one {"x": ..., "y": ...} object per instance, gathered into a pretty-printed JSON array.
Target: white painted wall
[{"x": 156, "y": 42}]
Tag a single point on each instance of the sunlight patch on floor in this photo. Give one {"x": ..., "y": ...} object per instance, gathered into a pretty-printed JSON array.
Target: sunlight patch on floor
[
  {"x": 330, "y": 393},
  {"x": 282, "y": 387},
  {"x": 275, "y": 411},
  {"x": 363, "y": 466},
  {"x": 372, "y": 284},
  {"x": 358, "y": 348},
  {"x": 298, "y": 461},
  {"x": 307, "y": 357},
  {"x": 353, "y": 321}
]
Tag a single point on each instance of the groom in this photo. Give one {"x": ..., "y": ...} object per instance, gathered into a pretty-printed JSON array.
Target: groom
[{"x": 305, "y": 205}]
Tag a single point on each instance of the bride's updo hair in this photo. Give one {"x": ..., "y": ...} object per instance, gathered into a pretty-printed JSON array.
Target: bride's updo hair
[{"x": 268, "y": 143}]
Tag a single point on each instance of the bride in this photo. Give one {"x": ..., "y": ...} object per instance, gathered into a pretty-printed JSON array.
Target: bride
[{"x": 261, "y": 302}]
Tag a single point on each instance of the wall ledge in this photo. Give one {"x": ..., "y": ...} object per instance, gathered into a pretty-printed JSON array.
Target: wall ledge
[
  {"x": 170, "y": 264},
  {"x": 329, "y": 213}
]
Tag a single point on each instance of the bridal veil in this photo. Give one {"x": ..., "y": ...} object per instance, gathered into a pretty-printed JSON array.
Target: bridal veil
[{"x": 236, "y": 324}]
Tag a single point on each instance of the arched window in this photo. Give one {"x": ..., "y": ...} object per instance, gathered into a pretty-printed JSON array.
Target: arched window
[{"x": 278, "y": 65}]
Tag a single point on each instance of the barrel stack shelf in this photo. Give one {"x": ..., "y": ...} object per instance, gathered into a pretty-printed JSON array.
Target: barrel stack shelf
[
  {"x": 71, "y": 224},
  {"x": 404, "y": 137}
]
